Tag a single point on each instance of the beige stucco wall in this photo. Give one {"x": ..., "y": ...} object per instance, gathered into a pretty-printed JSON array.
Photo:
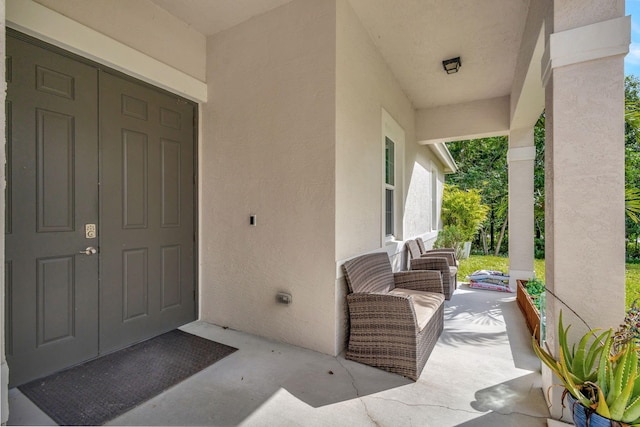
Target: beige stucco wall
[
  {"x": 365, "y": 86},
  {"x": 269, "y": 149},
  {"x": 471, "y": 120},
  {"x": 143, "y": 26}
]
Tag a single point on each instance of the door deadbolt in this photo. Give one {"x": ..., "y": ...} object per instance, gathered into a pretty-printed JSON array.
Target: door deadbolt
[
  {"x": 89, "y": 251},
  {"x": 89, "y": 231}
]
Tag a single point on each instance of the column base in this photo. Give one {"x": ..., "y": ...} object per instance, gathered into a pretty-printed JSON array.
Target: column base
[{"x": 519, "y": 275}]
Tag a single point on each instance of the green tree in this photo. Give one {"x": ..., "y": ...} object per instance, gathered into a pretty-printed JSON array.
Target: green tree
[
  {"x": 482, "y": 164},
  {"x": 538, "y": 187},
  {"x": 463, "y": 209},
  {"x": 632, "y": 165}
]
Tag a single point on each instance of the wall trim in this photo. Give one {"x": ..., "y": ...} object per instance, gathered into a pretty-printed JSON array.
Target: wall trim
[
  {"x": 594, "y": 41},
  {"x": 519, "y": 154},
  {"x": 45, "y": 24},
  {"x": 444, "y": 155},
  {"x": 4, "y": 374}
]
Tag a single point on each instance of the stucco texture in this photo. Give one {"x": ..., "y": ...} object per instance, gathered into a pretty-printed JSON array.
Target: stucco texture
[
  {"x": 269, "y": 150},
  {"x": 364, "y": 86}
]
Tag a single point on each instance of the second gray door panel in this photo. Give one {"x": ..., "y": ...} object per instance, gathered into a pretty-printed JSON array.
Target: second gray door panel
[{"x": 147, "y": 191}]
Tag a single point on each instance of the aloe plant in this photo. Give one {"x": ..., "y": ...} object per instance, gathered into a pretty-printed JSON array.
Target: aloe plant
[
  {"x": 618, "y": 384},
  {"x": 601, "y": 373},
  {"x": 576, "y": 367}
]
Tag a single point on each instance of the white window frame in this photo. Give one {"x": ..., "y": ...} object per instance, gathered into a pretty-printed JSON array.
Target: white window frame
[
  {"x": 393, "y": 131},
  {"x": 434, "y": 199},
  {"x": 389, "y": 187}
]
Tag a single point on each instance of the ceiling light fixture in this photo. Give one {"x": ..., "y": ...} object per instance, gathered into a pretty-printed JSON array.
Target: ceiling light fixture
[{"x": 452, "y": 65}]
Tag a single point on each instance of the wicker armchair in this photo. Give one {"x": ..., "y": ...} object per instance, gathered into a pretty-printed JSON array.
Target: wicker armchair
[
  {"x": 395, "y": 318},
  {"x": 425, "y": 251},
  {"x": 444, "y": 262}
]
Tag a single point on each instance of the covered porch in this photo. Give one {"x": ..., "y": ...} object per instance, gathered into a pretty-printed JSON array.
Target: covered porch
[
  {"x": 482, "y": 373},
  {"x": 293, "y": 99}
]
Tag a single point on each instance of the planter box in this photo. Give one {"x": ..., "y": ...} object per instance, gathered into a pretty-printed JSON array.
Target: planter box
[{"x": 529, "y": 310}]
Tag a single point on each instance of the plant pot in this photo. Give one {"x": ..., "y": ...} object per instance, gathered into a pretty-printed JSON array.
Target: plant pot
[
  {"x": 466, "y": 250},
  {"x": 584, "y": 417},
  {"x": 529, "y": 310}
]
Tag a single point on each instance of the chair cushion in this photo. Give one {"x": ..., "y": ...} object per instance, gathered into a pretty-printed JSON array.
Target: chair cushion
[
  {"x": 425, "y": 304},
  {"x": 453, "y": 270},
  {"x": 369, "y": 273}
]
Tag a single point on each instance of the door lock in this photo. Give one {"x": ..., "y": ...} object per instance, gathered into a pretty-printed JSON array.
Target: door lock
[
  {"x": 89, "y": 231},
  {"x": 89, "y": 251}
]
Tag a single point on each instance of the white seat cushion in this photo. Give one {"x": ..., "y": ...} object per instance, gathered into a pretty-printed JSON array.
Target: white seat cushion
[{"x": 425, "y": 304}]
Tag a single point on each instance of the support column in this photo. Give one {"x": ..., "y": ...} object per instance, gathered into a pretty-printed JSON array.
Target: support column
[
  {"x": 4, "y": 368},
  {"x": 583, "y": 74},
  {"x": 521, "y": 157}
]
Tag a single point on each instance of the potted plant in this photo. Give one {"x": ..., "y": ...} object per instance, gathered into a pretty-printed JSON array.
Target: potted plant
[
  {"x": 601, "y": 374},
  {"x": 462, "y": 215},
  {"x": 529, "y": 297}
]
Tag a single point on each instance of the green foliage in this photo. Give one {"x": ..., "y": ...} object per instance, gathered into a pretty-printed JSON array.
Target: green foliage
[
  {"x": 632, "y": 283},
  {"x": 463, "y": 209},
  {"x": 451, "y": 236},
  {"x": 632, "y": 203},
  {"x": 576, "y": 368},
  {"x": 538, "y": 185},
  {"x": 482, "y": 164},
  {"x": 633, "y": 252},
  {"x": 632, "y": 166},
  {"x": 602, "y": 372},
  {"x": 632, "y": 156},
  {"x": 538, "y": 249},
  {"x": 535, "y": 287}
]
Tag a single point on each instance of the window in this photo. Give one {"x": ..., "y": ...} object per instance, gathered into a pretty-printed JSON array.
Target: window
[
  {"x": 389, "y": 181},
  {"x": 434, "y": 199}
]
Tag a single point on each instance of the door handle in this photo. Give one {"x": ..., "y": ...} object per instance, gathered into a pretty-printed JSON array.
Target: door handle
[{"x": 89, "y": 251}]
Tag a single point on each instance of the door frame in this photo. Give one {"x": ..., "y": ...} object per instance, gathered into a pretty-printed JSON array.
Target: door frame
[
  {"x": 43, "y": 23},
  {"x": 196, "y": 151}
]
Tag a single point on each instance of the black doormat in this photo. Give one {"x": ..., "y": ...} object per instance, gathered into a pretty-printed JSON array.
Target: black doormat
[{"x": 102, "y": 389}]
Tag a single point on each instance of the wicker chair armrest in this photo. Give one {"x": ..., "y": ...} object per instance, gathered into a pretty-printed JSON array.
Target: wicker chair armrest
[
  {"x": 377, "y": 311},
  {"x": 430, "y": 263},
  {"x": 450, "y": 256},
  {"x": 419, "y": 280}
]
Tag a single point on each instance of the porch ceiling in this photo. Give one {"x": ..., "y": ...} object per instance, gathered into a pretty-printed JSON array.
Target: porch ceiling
[
  {"x": 210, "y": 17},
  {"x": 413, "y": 36}
]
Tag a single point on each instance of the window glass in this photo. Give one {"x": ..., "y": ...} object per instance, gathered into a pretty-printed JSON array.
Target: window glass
[{"x": 389, "y": 162}]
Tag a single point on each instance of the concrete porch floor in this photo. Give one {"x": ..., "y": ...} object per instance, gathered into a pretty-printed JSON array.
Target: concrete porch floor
[{"x": 481, "y": 373}]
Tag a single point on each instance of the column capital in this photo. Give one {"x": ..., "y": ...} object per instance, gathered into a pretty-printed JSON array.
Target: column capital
[
  {"x": 519, "y": 154},
  {"x": 594, "y": 41}
]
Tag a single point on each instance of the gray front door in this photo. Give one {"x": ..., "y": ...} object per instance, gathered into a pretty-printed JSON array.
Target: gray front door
[
  {"x": 87, "y": 148},
  {"x": 147, "y": 183},
  {"x": 52, "y": 174}
]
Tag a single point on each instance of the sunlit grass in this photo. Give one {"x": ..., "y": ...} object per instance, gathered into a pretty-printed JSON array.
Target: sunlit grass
[
  {"x": 479, "y": 262},
  {"x": 633, "y": 283}
]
